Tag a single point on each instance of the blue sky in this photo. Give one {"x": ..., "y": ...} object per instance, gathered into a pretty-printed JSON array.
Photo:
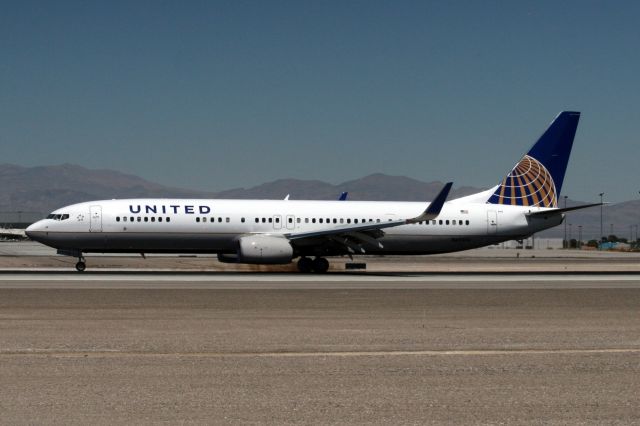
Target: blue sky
[{"x": 214, "y": 95}]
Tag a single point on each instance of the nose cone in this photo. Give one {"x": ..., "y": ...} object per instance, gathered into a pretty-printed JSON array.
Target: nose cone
[{"x": 33, "y": 230}]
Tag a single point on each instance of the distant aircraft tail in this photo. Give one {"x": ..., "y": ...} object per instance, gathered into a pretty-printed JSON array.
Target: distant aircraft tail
[{"x": 537, "y": 179}]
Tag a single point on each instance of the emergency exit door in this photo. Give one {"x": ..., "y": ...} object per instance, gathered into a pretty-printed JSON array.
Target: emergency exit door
[{"x": 492, "y": 222}]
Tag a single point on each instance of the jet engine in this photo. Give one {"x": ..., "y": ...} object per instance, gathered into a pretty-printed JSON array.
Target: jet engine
[{"x": 261, "y": 249}]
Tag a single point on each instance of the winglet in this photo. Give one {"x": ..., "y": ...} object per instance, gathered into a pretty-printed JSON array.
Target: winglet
[
  {"x": 435, "y": 206},
  {"x": 343, "y": 196}
]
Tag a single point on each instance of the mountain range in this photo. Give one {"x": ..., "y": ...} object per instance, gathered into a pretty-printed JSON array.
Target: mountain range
[{"x": 41, "y": 189}]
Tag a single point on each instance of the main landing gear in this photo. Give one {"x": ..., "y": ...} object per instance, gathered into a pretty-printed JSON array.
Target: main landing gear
[{"x": 319, "y": 265}]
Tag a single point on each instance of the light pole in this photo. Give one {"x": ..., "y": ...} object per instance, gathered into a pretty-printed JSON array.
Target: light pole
[
  {"x": 610, "y": 229},
  {"x": 580, "y": 236},
  {"x": 569, "y": 242},
  {"x": 601, "y": 231},
  {"x": 564, "y": 241}
]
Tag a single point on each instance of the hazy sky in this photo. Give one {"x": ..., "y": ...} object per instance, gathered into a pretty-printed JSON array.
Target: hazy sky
[{"x": 214, "y": 95}]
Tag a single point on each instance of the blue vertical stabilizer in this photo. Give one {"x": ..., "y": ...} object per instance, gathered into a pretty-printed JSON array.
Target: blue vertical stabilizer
[{"x": 537, "y": 178}]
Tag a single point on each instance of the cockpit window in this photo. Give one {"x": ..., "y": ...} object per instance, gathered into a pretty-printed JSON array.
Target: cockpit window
[{"x": 58, "y": 216}]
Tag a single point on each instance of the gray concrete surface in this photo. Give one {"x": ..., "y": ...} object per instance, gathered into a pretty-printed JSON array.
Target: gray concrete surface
[
  {"x": 16, "y": 256},
  {"x": 188, "y": 349}
]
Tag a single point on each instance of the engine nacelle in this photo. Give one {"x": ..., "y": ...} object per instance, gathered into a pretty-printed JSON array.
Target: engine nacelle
[{"x": 264, "y": 249}]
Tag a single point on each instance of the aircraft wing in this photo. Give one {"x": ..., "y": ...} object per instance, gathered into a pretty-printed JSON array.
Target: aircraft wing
[{"x": 368, "y": 233}]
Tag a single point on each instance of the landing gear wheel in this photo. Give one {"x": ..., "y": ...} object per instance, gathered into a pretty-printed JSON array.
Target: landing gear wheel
[
  {"x": 320, "y": 265},
  {"x": 81, "y": 266},
  {"x": 305, "y": 265}
]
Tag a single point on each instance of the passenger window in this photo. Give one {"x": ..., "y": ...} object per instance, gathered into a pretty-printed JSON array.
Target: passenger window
[
  {"x": 159, "y": 219},
  {"x": 146, "y": 219},
  {"x": 227, "y": 220},
  {"x": 341, "y": 220},
  {"x": 264, "y": 220},
  {"x": 320, "y": 220},
  {"x": 313, "y": 220},
  {"x": 335, "y": 220},
  {"x": 197, "y": 219},
  {"x": 355, "y": 220},
  {"x": 139, "y": 219},
  {"x": 277, "y": 220},
  {"x": 257, "y": 220},
  {"x": 306, "y": 220},
  {"x": 131, "y": 219},
  {"x": 290, "y": 220},
  {"x": 348, "y": 220},
  {"x": 219, "y": 220},
  {"x": 378, "y": 220},
  {"x": 466, "y": 222},
  {"x": 242, "y": 219},
  {"x": 440, "y": 222},
  {"x": 168, "y": 219},
  {"x": 118, "y": 219},
  {"x": 204, "y": 219},
  {"x": 153, "y": 219},
  {"x": 298, "y": 220},
  {"x": 270, "y": 220}
]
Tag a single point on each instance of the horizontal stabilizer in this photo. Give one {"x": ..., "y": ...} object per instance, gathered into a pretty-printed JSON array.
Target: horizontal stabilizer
[{"x": 561, "y": 211}]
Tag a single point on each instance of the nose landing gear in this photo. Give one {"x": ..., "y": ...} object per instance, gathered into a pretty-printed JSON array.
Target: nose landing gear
[{"x": 81, "y": 265}]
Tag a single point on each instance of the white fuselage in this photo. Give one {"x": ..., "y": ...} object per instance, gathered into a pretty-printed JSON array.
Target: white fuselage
[{"x": 214, "y": 226}]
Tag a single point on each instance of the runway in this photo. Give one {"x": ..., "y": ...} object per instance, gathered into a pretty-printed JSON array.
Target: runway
[
  {"x": 124, "y": 347},
  {"x": 55, "y": 279}
]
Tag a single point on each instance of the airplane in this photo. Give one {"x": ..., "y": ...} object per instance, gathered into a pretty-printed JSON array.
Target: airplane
[{"x": 280, "y": 231}]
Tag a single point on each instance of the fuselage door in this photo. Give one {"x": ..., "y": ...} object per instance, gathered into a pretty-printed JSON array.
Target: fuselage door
[
  {"x": 96, "y": 219},
  {"x": 277, "y": 222},
  {"x": 492, "y": 222},
  {"x": 291, "y": 222}
]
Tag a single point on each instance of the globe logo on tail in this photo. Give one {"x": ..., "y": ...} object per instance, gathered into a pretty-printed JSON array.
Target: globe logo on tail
[{"x": 528, "y": 184}]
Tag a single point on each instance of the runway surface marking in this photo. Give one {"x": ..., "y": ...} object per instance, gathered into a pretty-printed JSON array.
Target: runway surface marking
[
  {"x": 489, "y": 352},
  {"x": 230, "y": 277}
]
